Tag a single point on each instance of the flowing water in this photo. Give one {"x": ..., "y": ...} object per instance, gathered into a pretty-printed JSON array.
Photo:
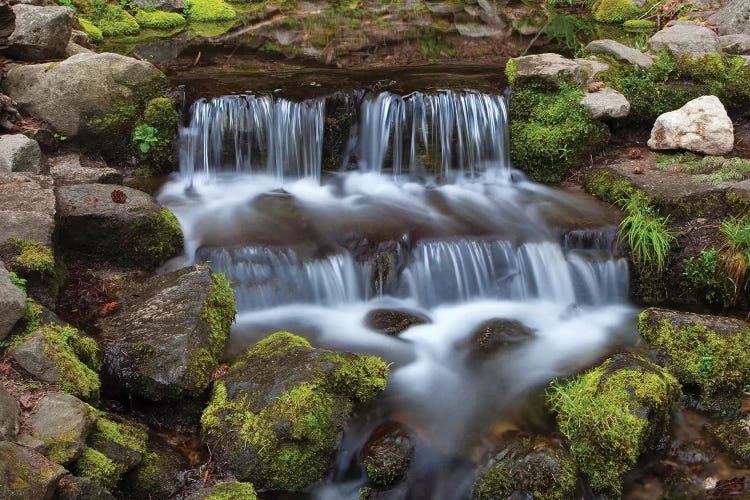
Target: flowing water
[{"x": 424, "y": 215}]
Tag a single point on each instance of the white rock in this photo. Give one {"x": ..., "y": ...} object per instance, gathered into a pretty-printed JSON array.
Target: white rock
[
  {"x": 554, "y": 68},
  {"x": 702, "y": 125},
  {"x": 606, "y": 103},
  {"x": 18, "y": 153}
]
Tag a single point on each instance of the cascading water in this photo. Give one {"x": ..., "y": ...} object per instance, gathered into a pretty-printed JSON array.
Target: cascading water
[{"x": 315, "y": 254}]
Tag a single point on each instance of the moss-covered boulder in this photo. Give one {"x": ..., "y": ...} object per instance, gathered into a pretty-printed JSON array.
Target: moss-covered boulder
[
  {"x": 26, "y": 474},
  {"x": 275, "y": 418},
  {"x": 225, "y": 491},
  {"x": 62, "y": 422},
  {"x": 129, "y": 230},
  {"x": 611, "y": 414},
  {"x": 618, "y": 11},
  {"x": 157, "y": 476},
  {"x": 733, "y": 435},
  {"x": 388, "y": 454},
  {"x": 164, "y": 339},
  {"x": 705, "y": 353},
  {"x": 529, "y": 466},
  {"x": 79, "y": 488}
]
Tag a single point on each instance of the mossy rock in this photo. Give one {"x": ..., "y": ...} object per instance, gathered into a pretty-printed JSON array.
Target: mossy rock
[
  {"x": 615, "y": 11},
  {"x": 98, "y": 468},
  {"x": 160, "y": 119},
  {"x": 94, "y": 33},
  {"x": 275, "y": 418},
  {"x": 121, "y": 441},
  {"x": 611, "y": 414},
  {"x": 26, "y": 474},
  {"x": 164, "y": 340},
  {"x": 388, "y": 454},
  {"x": 79, "y": 488},
  {"x": 119, "y": 23},
  {"x": 206, "y": 11},
  {"x": 157, "y": 476},
  {"x": 159, "y": 20},
  {"x": 231, "y": 490},
  {"x": 63, "y": 422},
  {"x": 733, "y": 435},
  {"x": 529, "y": 466},
  {"x": 705, "y": 353}
]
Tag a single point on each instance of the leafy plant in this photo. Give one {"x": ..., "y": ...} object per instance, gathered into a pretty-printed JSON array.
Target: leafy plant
[
  {"x": 569, "y": 31},
  {"x": 646, "y": 233},
  {"x": 706, "y": 275},
  {"x": 145, "y": 137},
  {"x": 735, "y": 248}
]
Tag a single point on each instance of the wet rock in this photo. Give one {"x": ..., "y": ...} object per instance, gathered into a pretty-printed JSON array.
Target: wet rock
[
  {"x": 606, "y": 103},
  {"x": 27, "y": 207},
  {"x": 165, "y": 5},
  {"x": 83, "y": 93},
  {"x": 8, "y": 415},
  {"x": 527, "y": 466},
  {"x": 25, "y": 474},
  {"x": 63, "y": 422},
  {"x": 275, "y": 418},
  {"x": 635, "y": 397},
  {"x": 67, "y": 169},
  {"x": 135, "y": 232},
  {"x": 685, "y": 39},
  {"x": 734, "y": 437},
  {"x": 702, "y": 125},
  {"x": 158, "y": 476},
  {"x": 736, "y": 44},
  {"x": 732, "y": 17},
  {"x": 12, "y": 303},
  {"x": 388, "y": 454},
  {"x": 79, "y": 488},
  {"x": 394, "y": 321},
  {"x": 18, "y": 153},
  {"x": 620, "y": 52},
  {"x": 41, "y": 32},
  {"x": 554, "y": 68},
  {"x": 164, "y": 339},
  {"x": 495, "y": 334},
  {"x": 231, "y": 489}
]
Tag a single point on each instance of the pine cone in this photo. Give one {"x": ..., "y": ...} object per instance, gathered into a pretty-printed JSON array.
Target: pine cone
[
  {"x": 119, "y": 197},
  {"x": 634, "y": 153},
  {"x": 596, "y": 86}
]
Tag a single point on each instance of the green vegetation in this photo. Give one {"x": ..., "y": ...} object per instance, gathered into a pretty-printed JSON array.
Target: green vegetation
[
  {"x": 725, "y": 77},
  {"x": 707, "y": 276},
  {"x": 33, "y": 310},
  {"x": 96, "y": 467},
  {"x": 203, "y": 11},
  {"x": 615, "y": 11},
  {"x": 151, "y": 241},
  {"x": 646, "y": 233},
  {"x": 33, "y": 256},
  {"x": 639, "y": 25},
  {"x": 155, "y": 134},
  {"x": 709, "y": 169},
  {"x": 94, "y": 33},
  {"x": 125, "y": 433},
  {"x": 159, "y": 20},
  {"x": 232, "y": 490},
  {"x": 734, "y": 436},
  {"x": 735, "y": 249},
  {"x": 570, "y": 31}
]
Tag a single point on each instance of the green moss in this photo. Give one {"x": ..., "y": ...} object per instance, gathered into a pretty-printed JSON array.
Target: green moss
[
  {"x": 94, "y": 33},
  {"x": 615, "y": 11},
  {"x": 232, "y": 490},
  {"x": 161, "y": 116},
  {"x": 159, "y": 20},
  {"x": 120, "y": 24},
  {"x": 128, "y": 434},
  {"x": 726, "y": 77},
  {"x": 96, "y": 467},
  {"x": 610, "y": 414},
  {"x": 201, "y": 366},
  {"x": 734, "y": 436},
  {"x": 639, "y": 25},
  {"x": 495, "y": 483},
  {"x": 511, "y": 71},
  {"x": 707, "y": 277},
  {"x": 278, "y": 343},
  {"x": 717, "y": 364},
  {"x": 203, "y": 11},
  {"x": 61, "y": 449},
  {"x": 209, "y": 29},
  {"x": 154, "y": 239},
  {"x": 360, "y": 376},
  {"x": 33, "y": 256},
  {"x": 219, "y": 312},
  {"x": 609, "y": 186}
]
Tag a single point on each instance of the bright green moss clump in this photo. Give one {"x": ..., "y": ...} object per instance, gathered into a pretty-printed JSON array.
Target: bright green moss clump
[
  {"x": 94, "y": 33},
  {"x": 156, "y": 133},
  {"x": 615, "y": 11},
  {"x": 219, "y": 312},
  {"x": 159, "y": 20},
  {"x": 232, "y": 490},
  {"x": 611, "y": 413},
  {"x": 639, "y": 25},
  {"x": 96, "y": 467},
  {"x": 128, "y": 434},
  {"x": 154, "y": 239},
  {"x": 202, "y": 11},
  {"x": 61, "y": 449},
  {"x": 120, "y": 24}
]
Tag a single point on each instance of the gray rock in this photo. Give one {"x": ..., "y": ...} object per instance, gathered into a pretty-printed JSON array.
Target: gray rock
[
  {"x": 685, "y": 39},
  {"x": 736, "y": 44},
  {"x": 63, "y": 422},
  {"x": 606, "y": 103},
  {"x": 554, "y": 68},
  {"x": 394, "y": 321},
  {"x": 8, "y": 415},
  {"x": 31, "y": 443},
  {"x": 73, "y": 49},
  {"x": 32, "y": 356},
  {"x": 25, "y": 474},
  {"x": 41, "y": 32},
  {"x": 702, "y": 125},
  {"x": 82, "y": 88},
  {"x": 732, "y": 18},
  {"x": 80, "y": 488},
  {"x": 27, "y": 207},
  {"x": 38, "y": 3},
  {"x": 80, "y": 37},
  {"x": 165, "y": 5},
  {"x": 493, "y": 336},
  {"x": 476, "y": 30},
  {"x": 12, "y": 303},
  {"x": 18, "y": 153},
  {"x": 67, "y": 169},
  {"x": 620, "y": 52}
]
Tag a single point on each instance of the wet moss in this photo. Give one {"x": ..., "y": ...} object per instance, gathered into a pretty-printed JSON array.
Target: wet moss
[
  {"x": 94, "y": 33},
  {"x": 159, "y": 20},
  {"x": 161, "y": 116},
  {"x": 219, "y": 312},
  {"x": 127, "y": 434},
  {"x": 154, "y": 239},
  {"x": 495, "y": 483},
  {"x": 204, "y": 11},
  {"x": 615, "y": 11},
  {"x": 232, "y": 490},
  {"x": 96, "y": 467}
]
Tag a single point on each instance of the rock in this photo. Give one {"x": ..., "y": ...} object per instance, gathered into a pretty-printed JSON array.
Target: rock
[
  {"x": 620, "y": 52},
  {"x": 476, "y": 30},
  {"x": 83, "y": 93},
  {"x": 702, "y": 125},
  {"x": 606, "y": 103},
  {"x": 231, "y": 489},
  {"x": 526, "y": 466},
  {"x": 63, "y": 422},
  {"x": 736, "y": 44},
  {"x": 158, "y": 476},
  {"x": 388, "y": 454},
  {"x": 733, "y": 435},
  {"x": 445, "y": 7},
  {"x": 166, "y": 336},
  {"x": 67, "y": 169},
  {"x": 685, "y": 40},
  {"x": 80, "y": 38},
  {"x": 554, "y": 68},
  {"x": 32, "y": 443},
  {"x": 135, "y": 232},
  {"x": 164, "y": 5},
  {"x": 12, "y": 303},
  {"x": 27, "y": 207},
  {"x": 634, "y": 395},
  {"x": 703, "y": 352},
  {"x": 18, "y": 153},
  {"x": 79, "y": 488},
  {"x": 495, "y": 334},
  {"x": 25, "y": 474},
  {"x": 41, "y": 32},
  {"x": 59, "y": 355},
  {"x": 74, "y": 49},
  {"x": 732, "y": 18},
  {"x": 275, "y": 418},
  {"x": 394, "y": 321},
  {"x": 8, "y": 415}
]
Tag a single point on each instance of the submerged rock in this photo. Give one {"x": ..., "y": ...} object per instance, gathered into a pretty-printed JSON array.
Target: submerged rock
[
  {"x": 25, "y": 474},
  {"x": 41, "y": 32},
  {"x": 63, "y": 422},
  {"x": 393, "y": 321},
  {"x": 620, "y": 52},
  {"x": 495, "y": 334},
  {"x": 230, "y": 490},
  {"x": 685, "y": 39},
  {"x": 165, "y": 338},
  {"x": 12, "y": 303},
  {"x": 388, "y": 454},
  {"x": 275, "y": 418},
  {"x": 9, "y": 410},
  {"x": 634, "y": 396},
  {"x": 702, "y": 125},
  {"x": 27, "y": 207},
  {"x": 18, "y": 153}
]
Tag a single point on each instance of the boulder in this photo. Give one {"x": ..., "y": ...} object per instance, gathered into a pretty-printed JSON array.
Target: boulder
[
  {"x": 73, "y": 49},
  {"x": 25, "y": 474},
  {"x": 494, "y": 335},
  {"x": 41, "y": 32},
  {"x": 80, "y": 38},
  {"x": 119, "y": 224},
  {"x": 79, "y": 488},
  {"x": 733, "y": 435},
  {"x": 732, "y": 18},
  {"x": 527, "y": 466},
  {"x": 164, "y": 5},
  {"x": 8, "y": 416},
  {"x": 274, "y": 420},
  {"x": 736, "y": 44},
  {"x": 67, "y": 169},
  {"x": 230, "y": 489},
  {"x": 63, "y": 422},
  {"x": 27, "y": 207},
  {"x": 394, "y": 321},
  {"x": 388, "y": 454},
  {"x": 554, "y": 68},
  {"x": 165, "y": 338},
  {"x": 159, "y": 475},
  {"x": 685, "y": 39},
  {"x": 12, "y": 303},
  {"x": 620, "y": 52},
  {"x": 85, "y": 93},
  {"x": 18, "y": 153},
  {"x": 702, "y": 125},
  {"x": 606, "y": 103}
]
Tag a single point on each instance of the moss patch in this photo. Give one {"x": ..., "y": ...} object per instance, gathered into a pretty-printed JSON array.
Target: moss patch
[
  {"x": 159, "y": 20},
  {"x": 61, "y": 449},
  {"x": 204, "y": 11},
  {"x": 96, "y": 467},
  {"x": 94, "y": 33},
  {"x": 734, "y": 436},
  {"x": 159, "y": 126},
  {"x": 219, "y": 312},
  {"x": 118, "y": 23},
  {"x": 154, "y": 239},
  {"x": 127, "y": 434},
  {"x": 32, "y": 256},
  {"x": 615, "y": 11},
  {"x": 232, "y": 490}
]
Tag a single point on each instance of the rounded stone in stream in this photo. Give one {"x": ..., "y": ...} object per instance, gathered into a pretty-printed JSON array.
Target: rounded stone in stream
[
  {"x": 388, "y": 454},
  {"x": 494, "y": 335},
  {"x": 394, "y": 321}
]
